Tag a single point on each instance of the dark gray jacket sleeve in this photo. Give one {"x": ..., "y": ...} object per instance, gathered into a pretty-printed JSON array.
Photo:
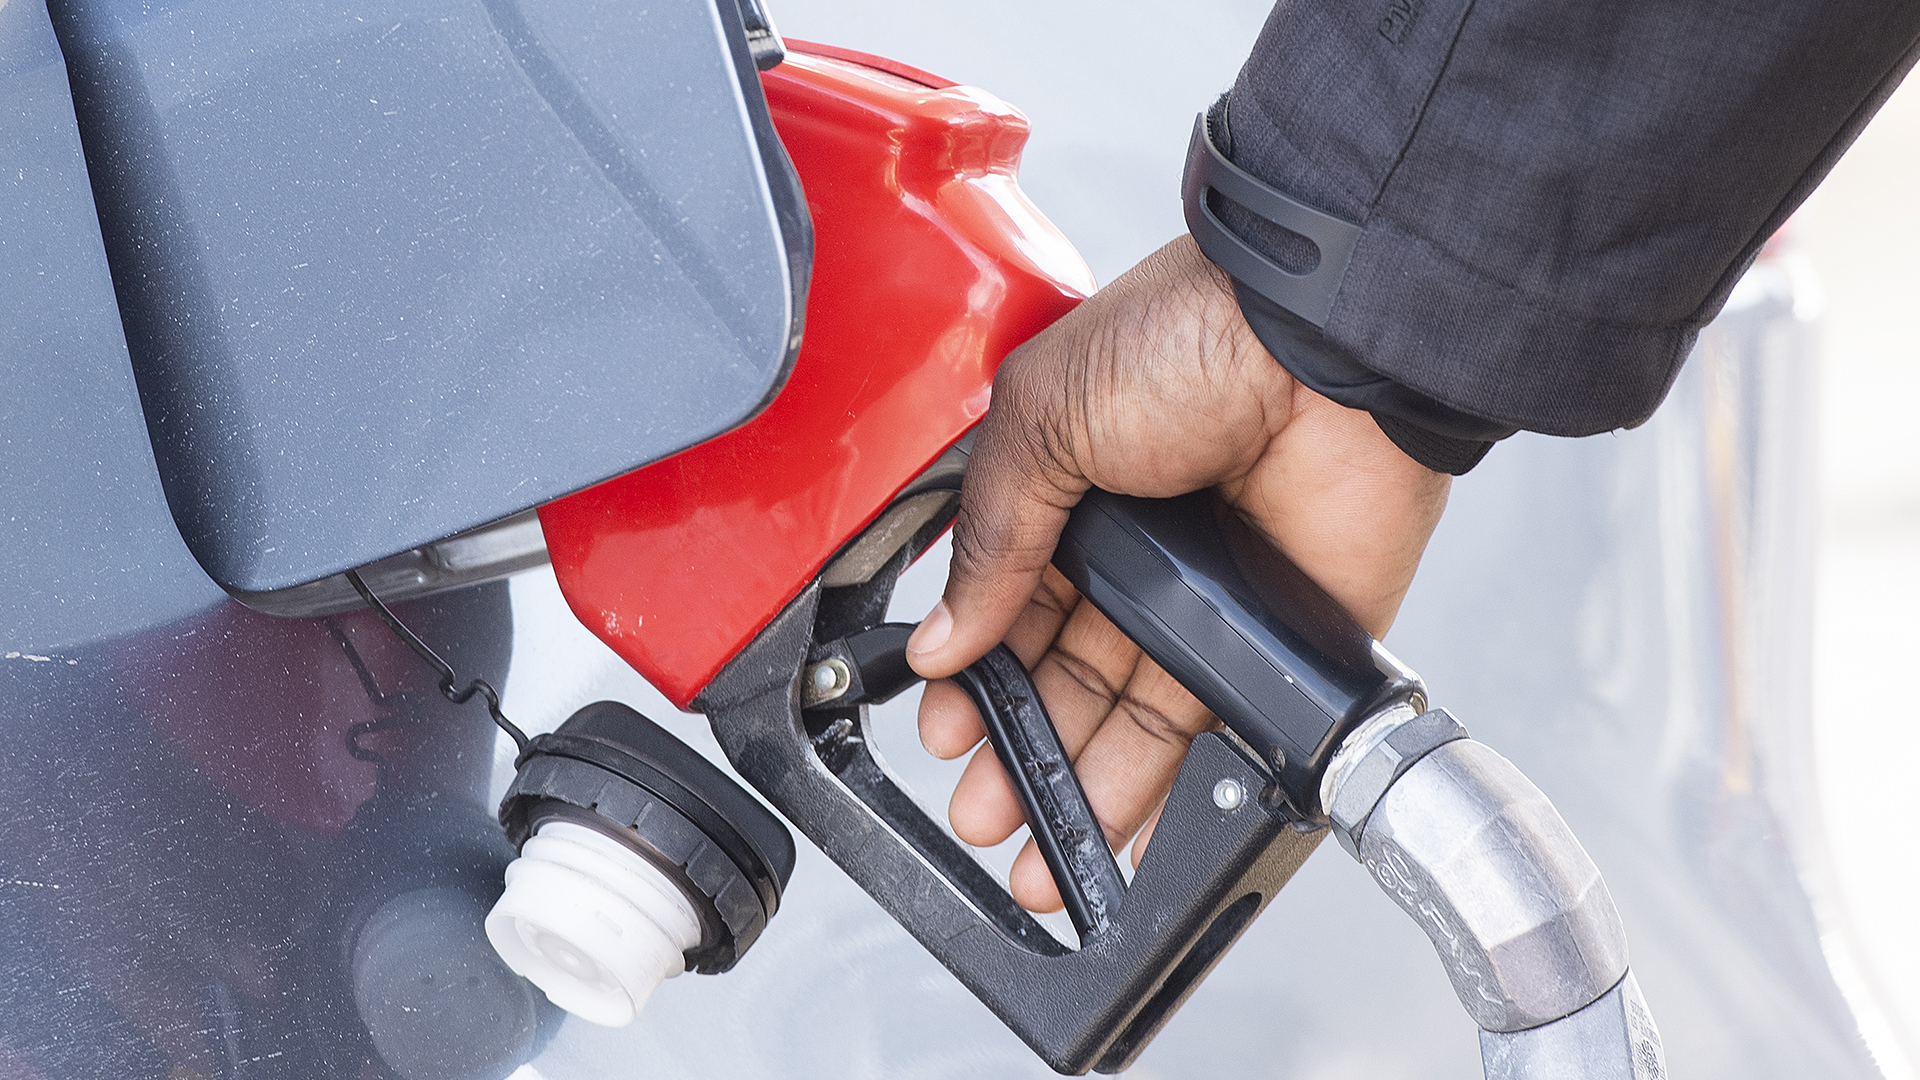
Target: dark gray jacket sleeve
[{"x": 1554, "y": 197}]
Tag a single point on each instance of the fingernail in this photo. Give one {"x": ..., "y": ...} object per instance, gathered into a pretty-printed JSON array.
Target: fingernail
[{"x": 933, "y": 631}]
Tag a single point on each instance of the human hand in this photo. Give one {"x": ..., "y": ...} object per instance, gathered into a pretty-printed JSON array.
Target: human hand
[{"x": 1155, "y": 386}]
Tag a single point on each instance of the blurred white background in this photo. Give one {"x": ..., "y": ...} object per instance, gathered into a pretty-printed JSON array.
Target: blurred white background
[{"x": 1861, "y": 233}]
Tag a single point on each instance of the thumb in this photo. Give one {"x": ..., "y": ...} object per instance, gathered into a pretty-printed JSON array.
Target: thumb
[{"x": 1013, "y": 507}]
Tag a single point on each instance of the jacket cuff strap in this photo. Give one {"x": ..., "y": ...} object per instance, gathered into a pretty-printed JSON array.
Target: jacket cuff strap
[
  {"x": 1286, "y": 309},
  {"x": 1308, "y": 294}
]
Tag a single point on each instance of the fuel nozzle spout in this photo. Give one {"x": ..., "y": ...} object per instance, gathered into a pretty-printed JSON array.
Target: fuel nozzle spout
[{"x": 638, "y": 860}]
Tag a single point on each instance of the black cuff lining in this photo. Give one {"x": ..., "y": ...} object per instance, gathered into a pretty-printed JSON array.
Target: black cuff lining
[
  {"x": 1334, "y": 373},
  {"x": 1437, "y": 452}
]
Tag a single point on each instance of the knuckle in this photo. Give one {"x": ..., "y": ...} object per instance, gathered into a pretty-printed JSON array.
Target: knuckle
[
  {"x": 1152, "y": 722},
  {"x": 1051, "y": 599},
  {"x": 980, "y": 548},
  {"x": 1032, "y": 423},
  {"x": 1083, "y": 673}
]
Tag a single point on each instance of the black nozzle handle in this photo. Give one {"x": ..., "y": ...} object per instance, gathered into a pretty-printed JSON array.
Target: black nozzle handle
[
  {"x": 788, "y": 713},
  {"x": 1065, "y": 829},
  {"x": 1246, "y": 631}
]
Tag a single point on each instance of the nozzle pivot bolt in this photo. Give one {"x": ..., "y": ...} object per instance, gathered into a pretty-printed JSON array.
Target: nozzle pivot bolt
[{"x": 827, "y": 680}]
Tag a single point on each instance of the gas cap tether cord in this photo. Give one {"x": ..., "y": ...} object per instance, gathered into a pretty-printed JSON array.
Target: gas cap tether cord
[{"x": 447, "y": 677}]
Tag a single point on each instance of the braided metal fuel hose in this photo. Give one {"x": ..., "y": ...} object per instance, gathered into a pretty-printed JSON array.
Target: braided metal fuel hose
[{"x": 1523, "y": 923}]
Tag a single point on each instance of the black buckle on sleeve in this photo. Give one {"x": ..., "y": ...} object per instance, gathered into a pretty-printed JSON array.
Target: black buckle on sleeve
[{"x": 1309, "y": 295}]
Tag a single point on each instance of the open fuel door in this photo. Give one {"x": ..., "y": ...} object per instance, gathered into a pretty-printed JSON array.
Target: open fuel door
[{"x": 391, "y": 270}]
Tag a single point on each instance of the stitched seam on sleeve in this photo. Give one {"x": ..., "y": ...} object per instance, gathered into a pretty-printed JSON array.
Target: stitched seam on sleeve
[{"x": 1420, "y": 116}]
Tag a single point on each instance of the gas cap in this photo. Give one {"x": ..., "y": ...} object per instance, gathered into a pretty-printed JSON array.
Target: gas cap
[{"x": 638, "y": 859}]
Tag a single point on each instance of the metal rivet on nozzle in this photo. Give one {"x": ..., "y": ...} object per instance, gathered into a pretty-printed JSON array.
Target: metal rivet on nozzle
[
  {"x": 1228, "y": 794},
  {"x": 827, "y": 680}
]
